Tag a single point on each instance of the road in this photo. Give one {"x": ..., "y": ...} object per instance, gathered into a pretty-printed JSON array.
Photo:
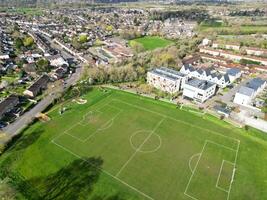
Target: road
[{"x": 22, "y": 121}]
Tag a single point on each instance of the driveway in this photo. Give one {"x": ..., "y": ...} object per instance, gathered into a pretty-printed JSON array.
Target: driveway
[{"x": 228, "y": 96}]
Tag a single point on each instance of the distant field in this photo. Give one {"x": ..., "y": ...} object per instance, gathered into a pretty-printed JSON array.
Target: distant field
[
  {"x": 130, "y": 147},
  {"x": 152, "y": 42},
  {"x": 21, "y": 10},
  {"x": 229, "y": 30}
]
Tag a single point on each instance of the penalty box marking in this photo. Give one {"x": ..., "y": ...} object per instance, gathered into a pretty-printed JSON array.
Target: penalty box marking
[
  {"x": 194, "y": 170},
  {"x": 98, "y": 129},
  {"x": 219, "y": 176}
]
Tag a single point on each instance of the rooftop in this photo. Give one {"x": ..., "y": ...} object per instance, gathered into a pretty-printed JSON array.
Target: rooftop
[
  {"x": 255, "y": 83},
  {"x": 233, "y": 71},
  {"x": 168, "y": 73},
  {"x": 200, "y": 84},
  {"x": 246, "y": 91}
]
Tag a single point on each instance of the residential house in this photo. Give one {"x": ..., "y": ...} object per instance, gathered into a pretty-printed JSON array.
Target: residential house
[
  {"x": 59, "y": 73},
  {"x": 256, "y": 51},
  {"x": 209, "y": 74},
  {"x": 230, "y": 46},
  {"x": 8, "y": 104},
  {"x": 247, "y": 93},
  {"x": 233, "y": 74},
  {"x": 192, "y": 60},
  {"x": 37, "y": 87},
  {"x": 232, "y": 56}
]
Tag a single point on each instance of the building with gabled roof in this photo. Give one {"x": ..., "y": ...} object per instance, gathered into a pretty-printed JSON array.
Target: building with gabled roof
[
  {"x": 8, "y": 104},
  {"x": 247, "y": 93},
  {"x": 209, "y": 74},
  {"x": 37, "y": 86}
]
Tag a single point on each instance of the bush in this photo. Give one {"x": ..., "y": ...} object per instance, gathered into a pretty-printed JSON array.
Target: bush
[
  {"x": 249, "y": 62},
  {"x": 2, "y": 148}
]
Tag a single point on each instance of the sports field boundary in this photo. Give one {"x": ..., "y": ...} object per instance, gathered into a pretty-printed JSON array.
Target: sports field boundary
[{"x": 133, "y": 155}]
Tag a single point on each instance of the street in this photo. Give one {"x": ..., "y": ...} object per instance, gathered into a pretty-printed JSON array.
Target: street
[{"x": 21, "y": 122}]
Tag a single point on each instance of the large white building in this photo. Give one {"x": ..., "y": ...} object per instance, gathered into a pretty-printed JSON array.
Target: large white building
[
  {"x": 211, "y": 75},
  {"x": 167, "y": 80},
  {"x": 247, "y": 93},
  {"x": 199, "y": 90}
]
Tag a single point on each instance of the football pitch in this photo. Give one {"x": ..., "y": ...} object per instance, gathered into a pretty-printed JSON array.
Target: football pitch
[
  {"x": 123, "y": 146},
  {"x": 156, "y": 154}
]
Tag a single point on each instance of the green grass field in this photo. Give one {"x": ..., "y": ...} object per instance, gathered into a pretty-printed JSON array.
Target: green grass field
[
  {"x": 230, "y": 30},
  {"x": 152, "y": 42},
  {"x": 123, "y": 146}
]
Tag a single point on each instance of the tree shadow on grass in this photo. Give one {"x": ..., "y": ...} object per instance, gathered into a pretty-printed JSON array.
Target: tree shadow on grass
[
  {"x": 112, "y": 197},
  {"x": 73, "y": 182},
  {"x": 23, "y": 141}
]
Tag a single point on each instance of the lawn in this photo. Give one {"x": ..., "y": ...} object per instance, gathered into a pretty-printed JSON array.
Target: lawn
[
  {"x": 123, "y": 146},
  {"x": 152, "y": 42},
  {"x": 234, "y": 30}
]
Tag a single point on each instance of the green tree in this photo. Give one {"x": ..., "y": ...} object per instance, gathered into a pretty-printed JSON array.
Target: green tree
[
  {"x": 137, "y": 46},
  {"x": 76, "y": 44},
  {"x": 43, "y": 65},
  {"x": 28, "y": 41},
  {"x": 18, "y": 43},
  {"x": 109, "y": 28},
  {"x": 83, "y": 38}
]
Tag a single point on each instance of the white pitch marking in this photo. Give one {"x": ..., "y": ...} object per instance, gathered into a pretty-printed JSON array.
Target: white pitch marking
[
  {"x": 140, "y": 147},
  {"x": 116, "y": 178},
  {"x": 193, "y": 156}
]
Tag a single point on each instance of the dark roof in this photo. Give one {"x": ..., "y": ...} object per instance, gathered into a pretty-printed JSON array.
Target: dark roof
[
  {"x": 39, "y": 84},
  {"x": 226, "y": 78},
  {"x": 188, "y": 67},
  {"x": 8, "y": 104},
  {"x": 233, "y": 71},
  {"x": 255, "y": 83},
  {"x": 191, "y": 60},
  {"x": 201, "y": 84},
  {"x": 222, "y": 109}
]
